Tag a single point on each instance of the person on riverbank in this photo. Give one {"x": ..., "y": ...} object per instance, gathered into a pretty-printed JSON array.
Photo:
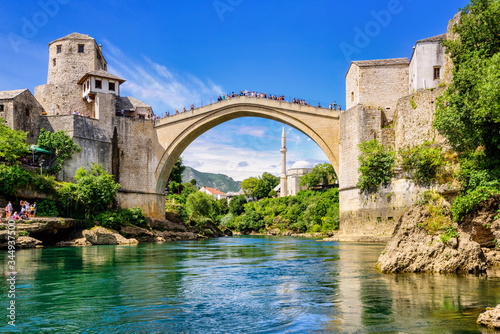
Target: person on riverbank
[
  {"x": 9, "y": 210},
  {"x": 33, "y": 210},
  {"x": 15, "y": 216}
]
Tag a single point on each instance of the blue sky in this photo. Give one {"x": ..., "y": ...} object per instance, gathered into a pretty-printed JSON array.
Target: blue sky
[{"x": 174, "y": 53}]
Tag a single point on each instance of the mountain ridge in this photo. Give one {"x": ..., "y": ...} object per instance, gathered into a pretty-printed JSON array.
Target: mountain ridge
[{"x": 220, "y": 182}]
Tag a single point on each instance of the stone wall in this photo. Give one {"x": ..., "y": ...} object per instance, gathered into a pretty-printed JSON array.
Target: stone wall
[
  {"x": 23, "y": 113},
  {"x": 87, "y": 133},
  {"x": 413, "y": 124},
  {"x": 382, "y": 86},
  {"x": 65, "y": 99},
  {"x": 352, "y": 87},
  {"x": 70, "y": 65}
]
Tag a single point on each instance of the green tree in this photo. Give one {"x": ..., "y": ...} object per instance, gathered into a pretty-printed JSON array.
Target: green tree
[
  {"x": 376, "y": 166},
  {"x": 12, "y": 143},
  {"x": 468, "y": 113},
  {"x": 322, "y": 174},
  {"x": 176, "y": 173},
  {"x": 95, "y": 188},
  {"x": 271, "y": 179},
  {"x": 199, "y": 205},
  {"x": 260, "y": 187},
  {"x": 13, "y": 178},
  {"x": 60, "y": 144},
  {"x": 237, "y": 205},
  {"x": 248, "y": 185}
]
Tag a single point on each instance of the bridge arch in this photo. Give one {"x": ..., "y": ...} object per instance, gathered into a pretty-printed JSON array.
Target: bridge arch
[{"x": 177, "y": 132}]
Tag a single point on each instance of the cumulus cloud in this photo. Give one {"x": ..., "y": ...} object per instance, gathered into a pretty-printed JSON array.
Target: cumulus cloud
[{"x": 155, "y": 84}]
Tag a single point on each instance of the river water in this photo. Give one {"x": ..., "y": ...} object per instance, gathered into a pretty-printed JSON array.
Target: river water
[{"x": 244, "y": 284}]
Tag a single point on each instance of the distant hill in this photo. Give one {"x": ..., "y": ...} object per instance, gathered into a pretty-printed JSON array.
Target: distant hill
[{"x": 220, "y": 182}]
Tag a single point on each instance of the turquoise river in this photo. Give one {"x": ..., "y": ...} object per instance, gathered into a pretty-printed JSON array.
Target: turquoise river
[{"x": 239, "y": 284}]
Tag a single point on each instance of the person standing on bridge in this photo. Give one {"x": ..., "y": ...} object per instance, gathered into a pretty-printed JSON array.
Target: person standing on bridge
[{"x": 192, "y": 106}]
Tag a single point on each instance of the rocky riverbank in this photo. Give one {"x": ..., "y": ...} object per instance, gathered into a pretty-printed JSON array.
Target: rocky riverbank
[
  {"x": 39, "y": 232},
  {"x": 468, "y": 247}
]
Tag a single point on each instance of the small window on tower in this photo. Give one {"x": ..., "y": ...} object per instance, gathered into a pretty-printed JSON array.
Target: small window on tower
[
  {"x": 112, "y": 86},
  {"x": 59, "y": 48},
  {"x": 98, "y": 84},
  {"x": 81, "y": 48},
  {"x": 437, "y": 72},
  {"x": 1, "y": 107},
  {"x": 54, "y": 62},
  {"x": 352, "y": 96}
]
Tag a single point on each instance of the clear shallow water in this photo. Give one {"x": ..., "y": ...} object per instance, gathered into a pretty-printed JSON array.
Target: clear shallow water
[{"x": 236, "y": 285}]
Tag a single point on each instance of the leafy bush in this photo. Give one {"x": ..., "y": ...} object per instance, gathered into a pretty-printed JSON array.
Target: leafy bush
[
  {"x": 115, "y": 219},
  {"x": 179, "y": 210},
  {"x": 47, "y": 208},
  {"x": 467, "y": 202},
  {"x": 376, "y": 166},
  {"x": 95, "y": 188},
  {"x": 12, "y": 178},
  {"x": 199, "y": 204},
  {"x": 237, "y": 205},
  {"x": 423, "y": 162},
  {"x": 448, "y": 234},
  {"x": 60, "y": 144}
]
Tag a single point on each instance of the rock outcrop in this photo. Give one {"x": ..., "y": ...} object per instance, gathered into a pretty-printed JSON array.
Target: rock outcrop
[
  {"x": 490, "y": 318},
  {"x": 413, "y": 249},
  {"x": 102, "y": 236}
]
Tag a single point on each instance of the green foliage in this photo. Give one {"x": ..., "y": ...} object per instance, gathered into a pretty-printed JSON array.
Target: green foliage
[
  {"x": 450, "y": 232},
  {"x": 376, "y": 166},
  {"x": 178, "y": 209},
  {"x": 116, "y": 219},
  {"x": 260, "y": 187},
  {"x": 12, "y": 143},
  {"x": 12, "y": 178},
  {"x": 468, "y": 113},
  {"x": 95, "y": 188},
  {"x": 412, "y": 103},
  {"x": 322, "y": 174},
  {"x": 199, "y": 204},
  {"x": 176, "y": 173},
  {"x": 47, "y": 208},
  {"x": 424, "y": 162},
  {"x": 467, "y": 202},
  {"x": 60, "y": 144},
  {"x": 237, "y": 205}
]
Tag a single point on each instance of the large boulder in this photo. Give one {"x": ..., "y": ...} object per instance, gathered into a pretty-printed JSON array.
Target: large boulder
[
  {"x": 138, "y": 233},
  {"x": 413, "y": 249},
  {"x": 490, "y": 318},
  {"x": 102, "y": 236}
]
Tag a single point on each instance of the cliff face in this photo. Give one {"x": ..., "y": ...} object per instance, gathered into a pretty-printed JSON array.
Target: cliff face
[{"x": 472, "y": 249}]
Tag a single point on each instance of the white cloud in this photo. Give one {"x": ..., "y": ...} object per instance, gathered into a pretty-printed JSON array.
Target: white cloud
[{"x": 155, "y": 84}]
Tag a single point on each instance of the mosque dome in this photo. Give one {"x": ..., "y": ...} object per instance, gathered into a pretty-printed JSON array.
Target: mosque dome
[{"x": 301, "y": 164}]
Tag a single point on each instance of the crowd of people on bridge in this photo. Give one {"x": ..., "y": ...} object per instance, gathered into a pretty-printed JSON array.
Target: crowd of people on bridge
[{"x": 223, "y": 97}]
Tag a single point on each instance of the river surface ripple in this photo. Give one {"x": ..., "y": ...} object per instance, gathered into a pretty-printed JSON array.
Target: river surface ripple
[{"x": 243, "y": 284}]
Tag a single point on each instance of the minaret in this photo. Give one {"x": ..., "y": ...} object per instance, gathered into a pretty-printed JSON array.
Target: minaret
[{"x": 284, "y": 182}]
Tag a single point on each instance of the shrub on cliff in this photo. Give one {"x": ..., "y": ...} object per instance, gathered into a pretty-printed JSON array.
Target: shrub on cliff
[
  {"x": 95, "y": 188},
  {"x": 376, "y": 166},
  {"x": 468, "y": 113},
  {"x": 424, "y": 162}
]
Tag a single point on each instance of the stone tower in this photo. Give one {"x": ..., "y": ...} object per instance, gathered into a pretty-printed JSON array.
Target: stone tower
[
  {"x": 70, "y": 58},
  {"x": 284, "y": 182}
]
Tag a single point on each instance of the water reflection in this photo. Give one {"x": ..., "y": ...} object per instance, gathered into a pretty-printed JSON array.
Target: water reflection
[{"x": 239, "y": 284}]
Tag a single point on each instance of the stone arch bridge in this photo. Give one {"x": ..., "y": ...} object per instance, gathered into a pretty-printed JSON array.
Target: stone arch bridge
[{"x": 172, "y": 135}]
